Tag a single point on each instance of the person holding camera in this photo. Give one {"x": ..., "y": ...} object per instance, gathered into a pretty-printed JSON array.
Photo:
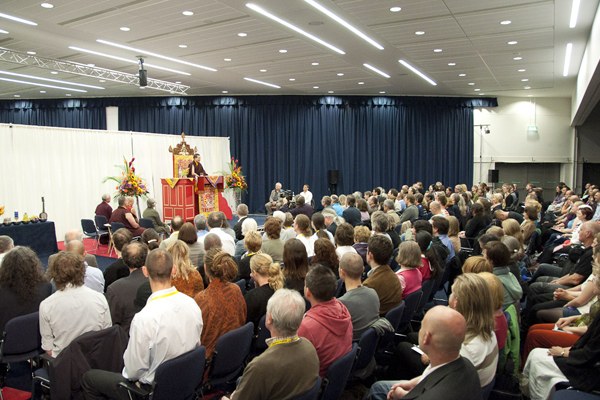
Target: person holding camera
[{"x": 297, "y": 207}]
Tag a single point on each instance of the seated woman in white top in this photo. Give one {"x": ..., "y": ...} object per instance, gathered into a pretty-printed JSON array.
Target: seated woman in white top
[{"x": 470, "y": 297}]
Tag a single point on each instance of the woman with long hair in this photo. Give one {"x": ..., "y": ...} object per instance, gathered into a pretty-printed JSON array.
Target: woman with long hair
[
  {"x": 512, "y": 228},
  {"x": 186, "y": 279},
  {"x": 295, "y": 265},
  {"x": 453, "y": 229},
  {"x": 222, "y": 304},
  {"x": 22, "y": 284},
  {"x": 325, "y": 254},
  {"x": 470, "y": 296},
  {"x": 268, "y": 278}
]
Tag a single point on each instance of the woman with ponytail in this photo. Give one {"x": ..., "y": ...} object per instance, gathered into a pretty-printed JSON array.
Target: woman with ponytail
[{"x": 268, "y": 278}]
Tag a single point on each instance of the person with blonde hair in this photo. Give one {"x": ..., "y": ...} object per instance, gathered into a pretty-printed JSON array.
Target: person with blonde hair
[
  {"x": 186, "y": 278},
  {"x": 222, "y": 304},
  {"x": 512, "y": 228},
  {"x": 470, "y": 297},
  {"x": 268, "y": 278},
  {"x": 476, "y": 264},
  {"x": 496, "y": 290},
  {"x": 252, "y": 242},
  {"x": 409, "y": 259}
]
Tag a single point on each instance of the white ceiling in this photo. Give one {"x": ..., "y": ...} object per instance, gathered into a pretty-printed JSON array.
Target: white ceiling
[{"x": 468, "y": 32}]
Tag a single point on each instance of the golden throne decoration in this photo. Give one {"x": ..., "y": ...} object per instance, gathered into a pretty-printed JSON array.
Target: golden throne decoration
[{"x": 183, "y": 154}]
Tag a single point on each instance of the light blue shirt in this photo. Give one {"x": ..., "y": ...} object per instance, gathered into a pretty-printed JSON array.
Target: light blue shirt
[{"x": 94, "y": 279}]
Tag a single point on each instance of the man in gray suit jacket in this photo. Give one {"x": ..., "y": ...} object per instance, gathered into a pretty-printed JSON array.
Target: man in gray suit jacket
[{"x": 448, "y": 376}]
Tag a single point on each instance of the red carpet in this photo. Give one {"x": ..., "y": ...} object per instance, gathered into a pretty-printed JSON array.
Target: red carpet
[
  {"x": 14, "y": 394},
  {"x": 90, "y": 248}
]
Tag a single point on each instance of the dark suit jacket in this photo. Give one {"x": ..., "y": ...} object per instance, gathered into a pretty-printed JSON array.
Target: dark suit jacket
[
  {"x": 237, "y": 228},
  {"x": 352, "y": 216},
  {"x": 120, "y": 296},
  {"x": 388, "y": 288},
  {"x": 457, "y": 380}
]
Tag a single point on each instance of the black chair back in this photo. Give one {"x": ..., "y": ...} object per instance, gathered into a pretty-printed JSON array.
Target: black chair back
[
  {"x": 21, "y": 339},
  {"x": 395, "y": 317},
  {"x": 230, "y": 354},
  {"x": 146, "y": 223},
  {"x": 367, "y": 345},
  {"x": 338, "y": 374},
  {"x": 100, "y": 221},
  {"x": 181, "y": 377},
  {"x": 89, "y": 228},
  {"x": 242, "y": 284},
  {"x": 313, "y": 393},
  {"x": 412, "y": 302},
  {"x": 426, "y": 297},
  {"x": 115, "y": 226},
  {"x": 262, "y": 335}
]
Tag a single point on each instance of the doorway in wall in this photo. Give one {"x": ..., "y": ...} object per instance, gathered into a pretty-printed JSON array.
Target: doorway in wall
[{"x": 544, "y": 175}]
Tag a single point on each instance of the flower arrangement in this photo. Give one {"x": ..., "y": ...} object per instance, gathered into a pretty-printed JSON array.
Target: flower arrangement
[
  {"x": 236, "y": 179},
  {"x": 129, "y": 184}
]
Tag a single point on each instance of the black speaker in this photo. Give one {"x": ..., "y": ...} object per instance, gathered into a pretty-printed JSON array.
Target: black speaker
[
  {"x": 333, "y": 176},
  {"x": 143, "y": 75},
  {"x": 493, "y": 175}
]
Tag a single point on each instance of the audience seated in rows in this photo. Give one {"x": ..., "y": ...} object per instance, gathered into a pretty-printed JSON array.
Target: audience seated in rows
[{"x": 169, "y": 325}]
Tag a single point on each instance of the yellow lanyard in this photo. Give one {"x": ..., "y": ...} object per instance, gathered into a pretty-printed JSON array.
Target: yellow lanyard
[
  {"x": 162, "y": 296},
  {"x": 275, "y": 342}
]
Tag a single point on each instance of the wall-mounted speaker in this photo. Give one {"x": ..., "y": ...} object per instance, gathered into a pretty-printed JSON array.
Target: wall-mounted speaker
[{"x": 333, "y": 176}]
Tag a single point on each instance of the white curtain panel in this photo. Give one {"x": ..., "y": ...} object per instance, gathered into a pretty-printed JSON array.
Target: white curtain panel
[{"x": 67, "y": 167}]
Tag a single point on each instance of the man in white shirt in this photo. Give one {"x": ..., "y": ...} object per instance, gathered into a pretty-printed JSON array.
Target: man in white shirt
[
  {"x": 73, "y": 309},
  {"x": 169, "y": 325},
  {"x": 308, "y": 196},
  {"x": 215, "y": 223}
]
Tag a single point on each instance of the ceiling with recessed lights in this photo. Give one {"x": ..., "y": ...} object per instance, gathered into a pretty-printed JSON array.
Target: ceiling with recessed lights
[{"x": 299, "y": 47}]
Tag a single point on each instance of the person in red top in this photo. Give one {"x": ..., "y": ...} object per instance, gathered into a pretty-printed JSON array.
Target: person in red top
[
  {"x": 327, "y": 325},
  {"x": 409, "y": 259},
  {"x": 104, "y": 208},
  {"x": 126, "y": 215}
]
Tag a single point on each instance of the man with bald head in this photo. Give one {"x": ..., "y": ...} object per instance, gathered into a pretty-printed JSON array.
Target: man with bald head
[
  {"x": 94, "y": 279},
  {"x": 75, "y": 234},
  {"x": 362, "y": 302},
  {"x": 448, "y": 376}
]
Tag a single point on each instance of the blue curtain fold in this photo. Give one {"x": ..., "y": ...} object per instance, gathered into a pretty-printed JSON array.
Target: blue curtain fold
[{"x": 373, "y": 141}]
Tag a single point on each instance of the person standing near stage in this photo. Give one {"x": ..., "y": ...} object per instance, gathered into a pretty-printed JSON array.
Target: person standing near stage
[{"x": 195, "y": 168}]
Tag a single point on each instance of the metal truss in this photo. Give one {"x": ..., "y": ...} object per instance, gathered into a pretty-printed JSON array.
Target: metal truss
[{"x": 16, "y": 57}]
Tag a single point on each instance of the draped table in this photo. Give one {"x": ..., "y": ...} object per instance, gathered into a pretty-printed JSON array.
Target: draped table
[{"x": 40, "y": 236}]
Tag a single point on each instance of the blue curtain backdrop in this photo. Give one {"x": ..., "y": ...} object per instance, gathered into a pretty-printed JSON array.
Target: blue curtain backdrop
[
  {"x": 71, "y": 113},
  {"x": 372, "y": 141}
]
